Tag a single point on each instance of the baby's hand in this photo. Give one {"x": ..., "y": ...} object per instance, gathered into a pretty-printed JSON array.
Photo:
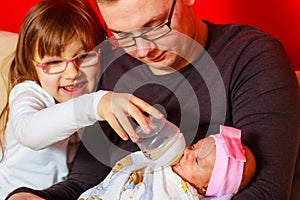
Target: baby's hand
[{"x": 115, "y": 109}]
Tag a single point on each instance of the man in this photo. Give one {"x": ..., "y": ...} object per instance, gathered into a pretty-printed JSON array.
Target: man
[{"x": 241, "y": 78}]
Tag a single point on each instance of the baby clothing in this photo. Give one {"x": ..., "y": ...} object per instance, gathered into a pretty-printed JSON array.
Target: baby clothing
[{"x": 135, "y": 177}]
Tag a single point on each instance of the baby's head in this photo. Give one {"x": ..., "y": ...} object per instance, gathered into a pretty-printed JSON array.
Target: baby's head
[{"x": 217, "y": 165}]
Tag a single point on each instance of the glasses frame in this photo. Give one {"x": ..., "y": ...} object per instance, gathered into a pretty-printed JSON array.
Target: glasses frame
[
  {"x": 167, "y": 23},
  {"x": 67, "y": 61}
]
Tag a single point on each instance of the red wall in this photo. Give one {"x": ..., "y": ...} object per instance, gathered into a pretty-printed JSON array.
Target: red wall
[
  {"x": 12, "y": 13},
  {"x": 280, "y": 18}
]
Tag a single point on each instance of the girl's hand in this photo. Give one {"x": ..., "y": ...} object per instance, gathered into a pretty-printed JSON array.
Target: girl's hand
[{"x": 115, "y": 109}]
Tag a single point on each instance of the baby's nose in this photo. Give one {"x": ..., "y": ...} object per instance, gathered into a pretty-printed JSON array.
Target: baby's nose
[{"x": 188, "y": 152}]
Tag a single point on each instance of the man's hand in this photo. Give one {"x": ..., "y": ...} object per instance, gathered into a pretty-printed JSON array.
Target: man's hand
[{"x": 25, "y": 196}]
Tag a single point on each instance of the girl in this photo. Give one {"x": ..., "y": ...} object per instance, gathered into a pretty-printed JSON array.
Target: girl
[{"x": 54, "y": 67}]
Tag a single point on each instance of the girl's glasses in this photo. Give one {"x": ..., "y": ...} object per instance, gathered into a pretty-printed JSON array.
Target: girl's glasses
[{"x": 59, "y": 65}]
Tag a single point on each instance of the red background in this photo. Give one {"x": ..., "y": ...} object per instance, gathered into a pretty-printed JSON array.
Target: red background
[{"x": 280, "y": 18}]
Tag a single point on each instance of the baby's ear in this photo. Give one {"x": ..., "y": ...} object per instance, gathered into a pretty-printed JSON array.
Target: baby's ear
[{"x": 203, "y": 190}]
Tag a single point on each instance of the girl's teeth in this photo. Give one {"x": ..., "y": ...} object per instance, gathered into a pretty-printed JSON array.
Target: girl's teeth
[
  {"x": 72, "y": 87},
  {"x": 69, "y": 87}
]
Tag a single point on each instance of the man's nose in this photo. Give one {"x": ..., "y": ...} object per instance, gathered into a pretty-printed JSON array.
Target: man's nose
[{"x": 144, "y": 47}]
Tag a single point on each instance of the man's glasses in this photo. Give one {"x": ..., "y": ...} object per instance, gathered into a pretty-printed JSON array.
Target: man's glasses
[
  {"x": 59, "y": 65},
  {"x": 128, "y": 39}
]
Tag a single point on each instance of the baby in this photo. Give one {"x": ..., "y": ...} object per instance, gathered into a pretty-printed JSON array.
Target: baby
[{"x": 216, "y": 166}]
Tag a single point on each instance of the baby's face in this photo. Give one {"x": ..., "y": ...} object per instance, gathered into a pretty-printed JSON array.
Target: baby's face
[{"x": 197, "y": 163}]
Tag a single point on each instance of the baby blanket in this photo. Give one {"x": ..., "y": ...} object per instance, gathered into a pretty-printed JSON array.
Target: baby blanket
[{"x": 136, "y": 177}]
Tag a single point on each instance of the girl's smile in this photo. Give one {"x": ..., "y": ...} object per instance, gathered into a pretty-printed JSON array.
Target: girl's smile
[{"x": 75, "y": 89}]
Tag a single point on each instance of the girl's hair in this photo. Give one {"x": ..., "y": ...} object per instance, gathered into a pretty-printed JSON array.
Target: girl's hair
[{"x": 47, "y": 28}]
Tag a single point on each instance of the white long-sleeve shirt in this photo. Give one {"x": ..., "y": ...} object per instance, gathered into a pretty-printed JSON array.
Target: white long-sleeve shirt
[{"x": 37, "y": 136}]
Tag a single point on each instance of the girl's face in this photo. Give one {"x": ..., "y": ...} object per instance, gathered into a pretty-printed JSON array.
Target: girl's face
[
  {"x": 197, "y": 163},
  {"x": 72, "y": 82}
]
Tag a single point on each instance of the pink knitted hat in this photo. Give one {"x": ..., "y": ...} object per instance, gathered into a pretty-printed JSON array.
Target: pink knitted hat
[{"x": 230, "y": 157}]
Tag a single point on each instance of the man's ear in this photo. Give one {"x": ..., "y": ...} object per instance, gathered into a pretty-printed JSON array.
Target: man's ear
[{"x": 190, "y": 2}]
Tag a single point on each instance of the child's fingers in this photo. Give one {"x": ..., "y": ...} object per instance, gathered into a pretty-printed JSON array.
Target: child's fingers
[
  {"x": 127, "y": 126},
  {"x": 113, "y": 122},
  {"x": 139, "y": 117},
  {"x": 144, "y": 106}
]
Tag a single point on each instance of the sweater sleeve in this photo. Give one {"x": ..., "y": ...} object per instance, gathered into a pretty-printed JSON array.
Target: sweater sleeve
[
  {"x": 37, "y": 121},
  {"x": 265, "y": 105}
]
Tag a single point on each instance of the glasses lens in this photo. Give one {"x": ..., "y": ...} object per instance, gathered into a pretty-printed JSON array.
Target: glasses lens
[
  {"x": 207, "y": 146},
  {"x": 87, "y": 59},
  {"x": 54, "y": 66},
  {"x": 122, "y": 42},
  {"x": 146, "y": 33},
  {"x": 156, "y": 32}
]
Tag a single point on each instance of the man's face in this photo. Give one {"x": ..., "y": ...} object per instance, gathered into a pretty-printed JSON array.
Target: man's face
[{"x": 131, "y": 17}]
